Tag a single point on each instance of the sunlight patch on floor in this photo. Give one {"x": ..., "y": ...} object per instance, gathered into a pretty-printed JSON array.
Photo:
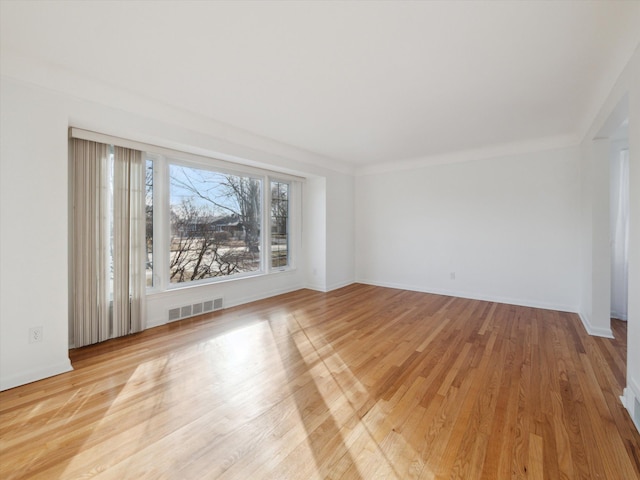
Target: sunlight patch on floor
[{"x": 367, "y": 439}]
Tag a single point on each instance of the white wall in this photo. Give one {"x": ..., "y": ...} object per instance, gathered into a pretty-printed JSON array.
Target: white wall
[
  {"x": 34, "y": 206},
  {"x": 314, "y": 237},
  {"x": 595, "y": 305},
  {"x": 330, "y": 239},
  {"x": 33, "y": 229},
  {"x": 632, "y": 391},
  {"x": 507, "y": 227},
  {"x": 340, "y": 231}
]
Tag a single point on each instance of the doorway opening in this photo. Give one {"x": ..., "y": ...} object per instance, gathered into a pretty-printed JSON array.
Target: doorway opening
[{"x": 619, "y": 223}]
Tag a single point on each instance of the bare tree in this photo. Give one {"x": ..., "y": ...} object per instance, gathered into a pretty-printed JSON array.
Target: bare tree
[
  {"x": 148, "y": 183},
  {"x": 233, "y": 194},
  {"x": 197, "y": 250},
  {"x": 279, "y": 207},
  {"x": 246, "y": 193},
  {"x": 279, "y": 223},
  {"x": 216, "y": 208}
]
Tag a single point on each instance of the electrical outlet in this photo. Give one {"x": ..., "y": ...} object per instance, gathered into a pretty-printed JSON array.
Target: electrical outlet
[
  {"x": 35, "y": 334},
  {"x": 452, "y": 275}
]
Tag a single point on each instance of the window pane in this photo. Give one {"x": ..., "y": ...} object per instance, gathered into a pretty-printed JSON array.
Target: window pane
[
  {"x": 149, "y": 221},
  {"x": 215, "y": 223},
  {"x": 279, "y": 224}
]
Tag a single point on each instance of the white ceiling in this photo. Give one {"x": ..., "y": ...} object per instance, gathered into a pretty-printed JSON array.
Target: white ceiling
[{"x": 359, "y": 82}]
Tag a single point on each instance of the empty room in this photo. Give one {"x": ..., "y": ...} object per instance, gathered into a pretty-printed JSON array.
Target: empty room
[{"x": 319, "y": 239}]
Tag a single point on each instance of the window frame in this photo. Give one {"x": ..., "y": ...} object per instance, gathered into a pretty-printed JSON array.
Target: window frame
[{"x": 162, "y": 228}]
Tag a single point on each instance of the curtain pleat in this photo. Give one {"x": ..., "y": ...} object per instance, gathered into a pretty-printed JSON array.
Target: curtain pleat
[
  {"x": 138, "y": 264},
  {"x": 121, "y": 243},
  {"x": 128, "y": 242}
]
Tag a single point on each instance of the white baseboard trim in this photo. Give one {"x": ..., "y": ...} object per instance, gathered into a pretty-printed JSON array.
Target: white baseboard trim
[
  {"x": 595, "y": 331},
  {"x": 336, "y": 286},
  {"x": 630, "y": 400},
  {"x": 474, "y": 296},
  {"x": 35, "y": 375},
  {"x": 329, "y": 288},
  {"x": 316, "y": 287},
  {"x": 619, "y": 316}
]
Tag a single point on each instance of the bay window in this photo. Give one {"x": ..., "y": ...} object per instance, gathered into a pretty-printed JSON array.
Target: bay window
[{"x": 207, "y": 220}]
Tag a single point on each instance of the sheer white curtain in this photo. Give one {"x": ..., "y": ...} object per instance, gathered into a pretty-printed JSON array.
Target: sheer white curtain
[
  {"x": 620, "y": 238},
  {"x": 108, "y": 242}
]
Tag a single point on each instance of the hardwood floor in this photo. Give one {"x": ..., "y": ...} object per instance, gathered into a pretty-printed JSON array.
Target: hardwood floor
[{"x": 360, "y": 383}]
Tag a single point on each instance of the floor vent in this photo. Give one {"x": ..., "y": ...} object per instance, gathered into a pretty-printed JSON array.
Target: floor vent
[{"x": 186, "y": 311}]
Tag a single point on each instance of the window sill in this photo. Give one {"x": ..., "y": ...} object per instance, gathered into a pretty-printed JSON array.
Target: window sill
[{"x": 151, "y": 292}]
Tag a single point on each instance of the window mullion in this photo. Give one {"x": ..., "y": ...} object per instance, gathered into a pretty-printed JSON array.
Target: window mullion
[
  {"x": 160, "y": 224},
  {"x": 267, "y": 224}
]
